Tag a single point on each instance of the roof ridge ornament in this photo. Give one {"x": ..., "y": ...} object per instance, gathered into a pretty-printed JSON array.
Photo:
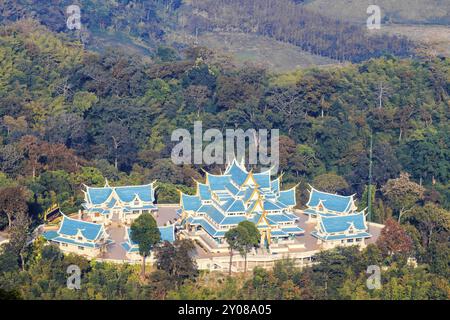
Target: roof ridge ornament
[
  {"x": 106, "y": 183},
  {"x": 242, "y": 164}
]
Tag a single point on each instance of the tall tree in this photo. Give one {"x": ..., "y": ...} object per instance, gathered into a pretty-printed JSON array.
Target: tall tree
[
  {"x": 430, "y": 219},
  {"x": 403, "y": 194},
  {"x": 233, "y": 238},
  {"x": 394, "y": 240},
  {"x": 13, "y": 200},
  {"x": 330, "y": 182},
  {"x": 176, "y": 260},
  {"x": 18, "y": 234},
  {"x": 251, "y": 239},
  {"x": 145, "y": 232}
]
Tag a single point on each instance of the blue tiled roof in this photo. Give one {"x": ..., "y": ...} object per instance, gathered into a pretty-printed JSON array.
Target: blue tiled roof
[
  {"x": 232, "y": 188},
  {"x": 262, "y": 179},
  {"x": 255, "y": 218},
  {"x": 75, "y": 242},
  {"x": 270, "y": 206},
  {"x": 204, "y": 192},
  {"x": 99, "y": 210},
  {"x": 362, "y": 235},
  {"x": 330, "y": 201},
  {"x": 50, "y": 235},
  {"x": 218, "y": 182},
  {"x": 314, "y": 212},
  {"x": 292, "y": 229},
  {"x": 279, "y": 218},
  {"x": 227, "y": 204},
  {"x": 231, "y": 201},
  {"x": 147, "y": 207},
  {"x": 275, "y": 185},
  {"x": 207, "y": 227},
  {"x": 127, "y": 194},
  {"x": 292, "y": 216},
  {"x": 128, "y": 248},
  {"x": 89, "y": 230},
  {"x": 247, "y": 194},
  {"x": 287, "y": 197},
  {"x": 237, "y": 174},
  {"x": 98, "y": 196},
  {"x": 342, "y": 223},
  {"x": 214, "y": 214},
  {"x": 278, "y": 233},
  {"x": 233, "y": 220},
  {"x": 167, "y": 233},
  {"x": 236, "y": 206},
  {"x": 190, "y": 202}
]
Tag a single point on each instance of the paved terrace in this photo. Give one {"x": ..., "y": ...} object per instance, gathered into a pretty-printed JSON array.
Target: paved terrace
[
  {"x": 167, "y": 214},
  {"x": 307, "y": 240},
  {"x": 116, "y": 231}
]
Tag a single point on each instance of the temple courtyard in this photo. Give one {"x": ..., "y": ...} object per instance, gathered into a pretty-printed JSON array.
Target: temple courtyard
[{"x": 302, "y": 250}]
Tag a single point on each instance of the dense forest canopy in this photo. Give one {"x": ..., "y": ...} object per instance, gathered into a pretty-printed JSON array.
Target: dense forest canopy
[
  {"x": 151, "y": 20},
  {"x": 115, "y": 112},
  {"x": 286, "y": 21}
]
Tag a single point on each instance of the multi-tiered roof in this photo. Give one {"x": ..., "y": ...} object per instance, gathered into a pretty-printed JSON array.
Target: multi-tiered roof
[
  {"x": 337, "y": 216},
  {"x": 79, "y": 233},
  {"x": 223, "y": 201},
  {"x": 127, "y": 198}
]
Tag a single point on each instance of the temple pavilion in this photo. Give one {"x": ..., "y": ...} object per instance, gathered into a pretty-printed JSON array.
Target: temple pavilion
[
  {"x": 120, "y": 203},
  {"x": 225, "y": 200},
  {"x": 80, "y": 237},
  {"x": 338, "y": 221}
]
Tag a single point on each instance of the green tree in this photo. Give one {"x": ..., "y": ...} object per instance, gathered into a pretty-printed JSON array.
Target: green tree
[
  {"x": 330, "y": 182},
  {"x": 251, "y": 239},
  {"x": 234, "y": 238},
  {"x": 176, "y": 260},
  {"x": 430, "y": 219},
  {"x": 13, "y": 200},
  {"x": 18, "y": 234},
  {"x": 145, "y": 232},
  {"x": 403, "y": 194},
  {"x": 393, "y": 240}
]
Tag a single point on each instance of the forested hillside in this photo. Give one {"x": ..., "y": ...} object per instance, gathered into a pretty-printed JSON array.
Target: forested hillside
[
  {"x": 290, "y": 22},
  {"x": 393, "y": 11},
  {"x": 146, "y": 23},
  {"x": 113, "y": 114}
]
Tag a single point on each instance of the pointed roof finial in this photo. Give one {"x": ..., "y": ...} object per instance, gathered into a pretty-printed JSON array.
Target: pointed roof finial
[
  {"x": 243, "y": 162},
  {"x": 106, "y": 183}
]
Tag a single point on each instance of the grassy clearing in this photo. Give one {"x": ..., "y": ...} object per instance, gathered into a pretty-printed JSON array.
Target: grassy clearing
[{"x": 275, "y": 55}]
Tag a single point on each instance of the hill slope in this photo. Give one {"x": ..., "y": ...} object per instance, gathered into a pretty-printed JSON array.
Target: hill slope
[{"x": 395, "y": 11}]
